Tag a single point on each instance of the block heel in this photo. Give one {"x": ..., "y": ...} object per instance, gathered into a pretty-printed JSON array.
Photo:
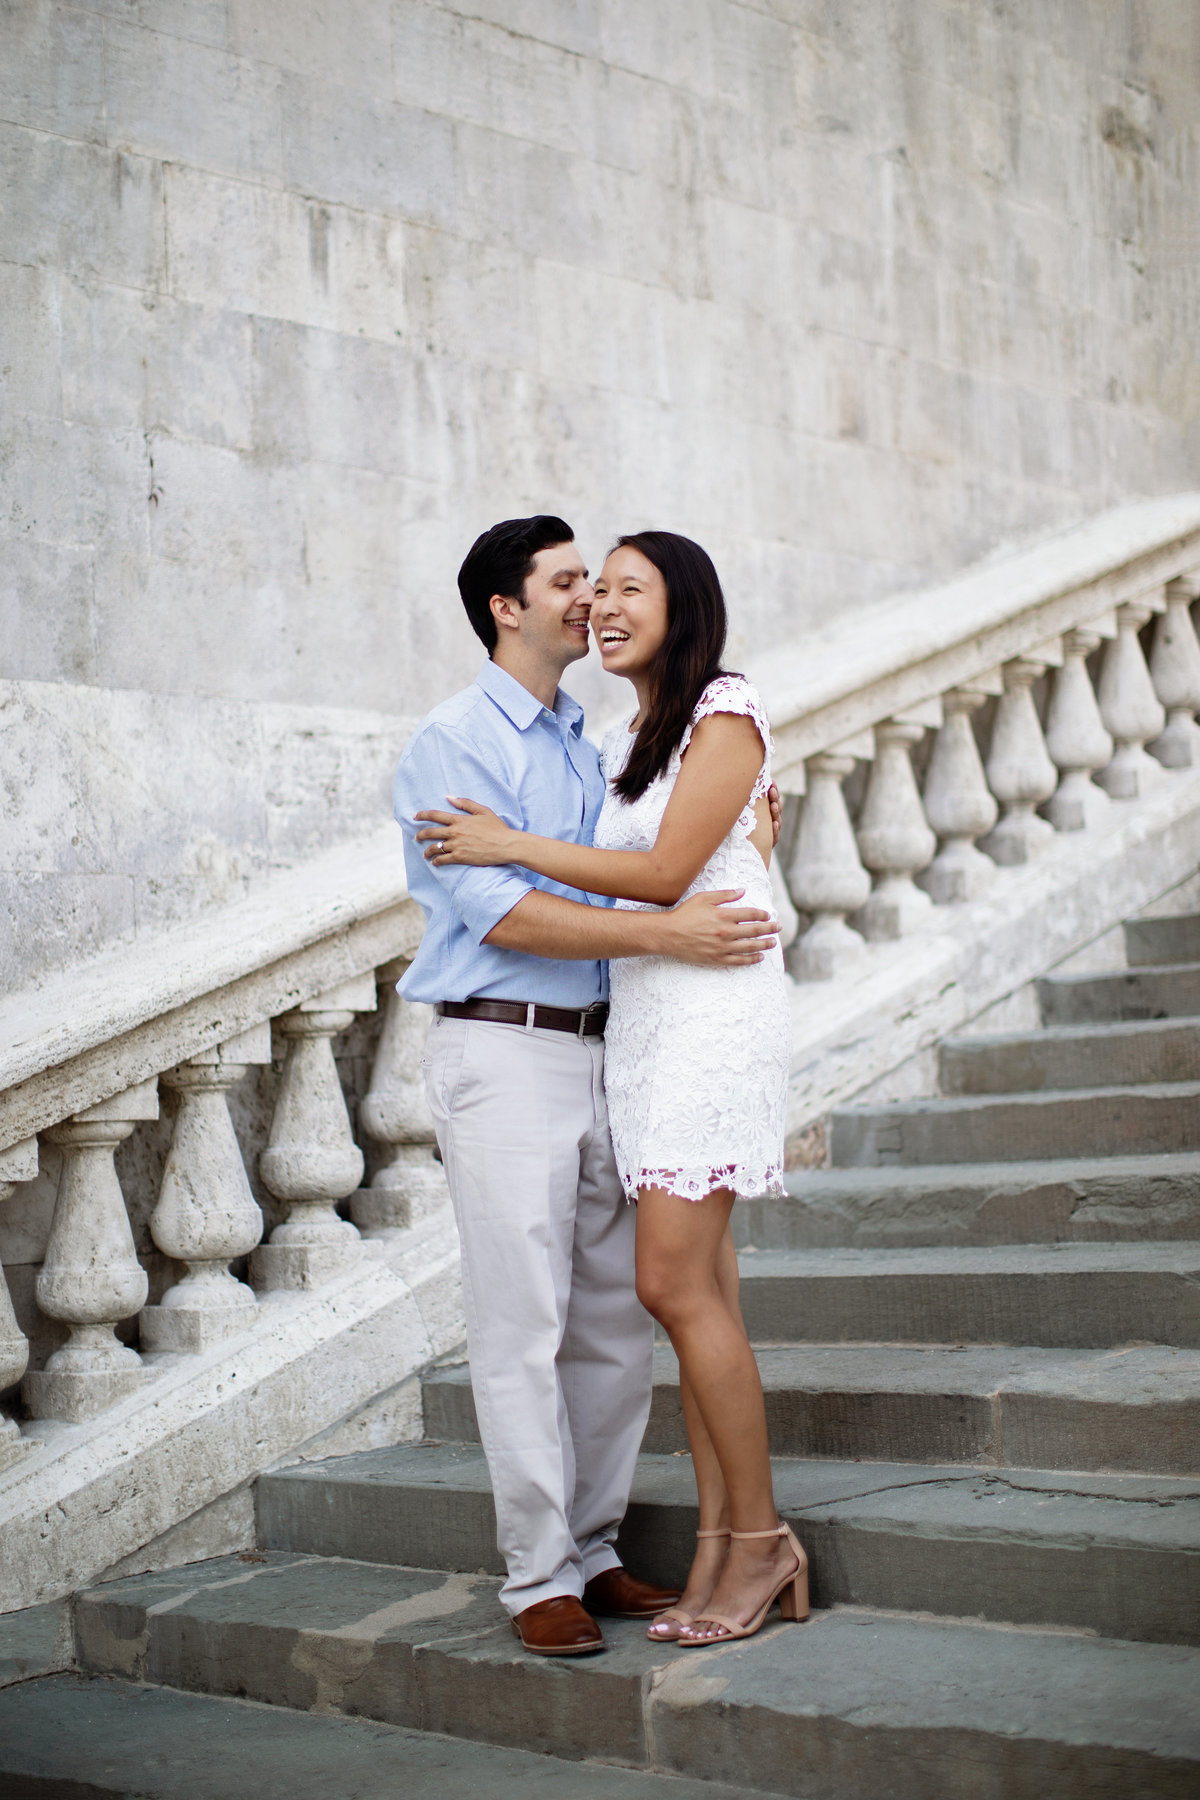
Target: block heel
[{"x": 791, "y": 1593}]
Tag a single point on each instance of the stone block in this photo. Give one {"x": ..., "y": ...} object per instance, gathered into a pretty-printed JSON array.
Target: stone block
[
  {"x": 1068, "y": 1200},
  {"x": 170, "y": 97},
  {"x": 1157, "y": 941},
  {"x": 1065, "y": 1295},
  {"x": 222, "y": 1529},
  {"x": 48, "y": 921},
  {"x": 198, "y": 374},
  {"x": 69, "y": 1728},
  {"x": 853, "y": 1698},
  {"x": 76, "y": 1395},
  {"x": 198, "y": 759},
  {"x": 47, "y": 619},
  {"x": 35, "y": 1641},
  {"x": 113, "y": 1483},
  {"x": 276, "y": 1268},
  {"x": 1152, "y": 1051},
  {"x": 1002, "y": 1699},
  {"x": 370, "y": 153},
  {"x": 334, "y": 399},
  {"x": 1115, "y": 1121},
  {"x": 1140, "y": 993},
  {"x": 76, "y": 206},
  {"x": 106, "y": 331},
  {"x": 349, "y": 49},
  {"x": 575, "y": 28},
  {"x": 30, "y": 381},
  {"x": 192, "y": 1330},
  {"x": 275, "y": 254},
  {"x": 1114, "y": 1554},
  {"x": 52, "y": 71},
  {"x": 71, "y": 484}
]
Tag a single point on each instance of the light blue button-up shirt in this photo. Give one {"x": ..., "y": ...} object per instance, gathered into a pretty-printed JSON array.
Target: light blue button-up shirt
[{"x": 496, "y": 743}]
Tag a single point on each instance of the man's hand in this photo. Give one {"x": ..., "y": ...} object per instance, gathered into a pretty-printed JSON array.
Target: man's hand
[
  {"x": 776, "y": 806},
  {"x": 712, "y": 931}
]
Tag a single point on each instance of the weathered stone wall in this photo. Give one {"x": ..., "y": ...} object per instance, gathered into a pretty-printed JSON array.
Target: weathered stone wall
[{"x": 298, "y": 297}]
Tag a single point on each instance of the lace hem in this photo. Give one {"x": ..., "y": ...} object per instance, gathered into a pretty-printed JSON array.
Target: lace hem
[{"x": 748, "y": 1181}]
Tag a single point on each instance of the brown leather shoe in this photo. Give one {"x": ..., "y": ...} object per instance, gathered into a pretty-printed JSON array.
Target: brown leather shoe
[
  {"x": 558, "y": 1627},
  {"x": 619, "y": 1595}
]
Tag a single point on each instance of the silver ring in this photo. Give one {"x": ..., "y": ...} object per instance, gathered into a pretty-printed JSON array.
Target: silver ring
[{"x": 441, "y": 848}]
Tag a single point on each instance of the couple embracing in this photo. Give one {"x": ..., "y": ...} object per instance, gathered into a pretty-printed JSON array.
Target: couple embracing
[{"x": 610, "y": 1026}]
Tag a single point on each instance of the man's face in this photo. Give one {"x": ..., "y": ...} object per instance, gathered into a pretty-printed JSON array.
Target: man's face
[{"x": 558, "y": 604}]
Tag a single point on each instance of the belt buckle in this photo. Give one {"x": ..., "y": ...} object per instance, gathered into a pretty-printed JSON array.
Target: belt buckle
[{"x": 585, "y": 1014}]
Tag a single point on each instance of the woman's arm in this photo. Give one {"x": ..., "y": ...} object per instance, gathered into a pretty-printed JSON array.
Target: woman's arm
[{"x": 717, "y": 775}]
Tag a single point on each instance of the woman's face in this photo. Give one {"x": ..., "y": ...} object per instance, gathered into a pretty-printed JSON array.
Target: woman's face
[{"x": 629, "y": 613}]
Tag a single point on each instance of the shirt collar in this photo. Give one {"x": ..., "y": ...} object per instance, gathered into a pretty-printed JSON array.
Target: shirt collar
[{"x": 522, "y": 707}]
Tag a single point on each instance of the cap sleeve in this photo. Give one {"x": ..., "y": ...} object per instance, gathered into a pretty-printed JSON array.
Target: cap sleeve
[{"x": 734, "y": 694}]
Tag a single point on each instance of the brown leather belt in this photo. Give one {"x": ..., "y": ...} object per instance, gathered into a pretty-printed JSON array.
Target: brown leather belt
[{"x": 589, "y": 1022}]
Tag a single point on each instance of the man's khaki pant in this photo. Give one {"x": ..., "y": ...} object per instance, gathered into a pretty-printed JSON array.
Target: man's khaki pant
[{"x": 560, "y": 1348}]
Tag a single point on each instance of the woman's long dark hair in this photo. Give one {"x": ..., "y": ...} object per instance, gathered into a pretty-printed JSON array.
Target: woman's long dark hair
[{"x": 688, "y": 658}]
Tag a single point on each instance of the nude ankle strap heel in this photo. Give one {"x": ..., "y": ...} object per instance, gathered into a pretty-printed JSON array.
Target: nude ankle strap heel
[
  {"x": 675, "y": 1614},
  {"x": 791, "y": 1593}
]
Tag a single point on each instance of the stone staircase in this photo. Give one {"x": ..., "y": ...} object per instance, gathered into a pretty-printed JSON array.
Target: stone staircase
[{"x": 979, "y": 1336}]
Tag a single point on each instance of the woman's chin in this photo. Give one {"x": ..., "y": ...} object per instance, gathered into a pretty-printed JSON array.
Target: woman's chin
[{"x": 617, "y": 665}]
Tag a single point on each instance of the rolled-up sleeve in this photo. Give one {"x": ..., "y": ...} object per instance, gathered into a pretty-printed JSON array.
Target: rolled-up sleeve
[{"x": 440, "y": 762}]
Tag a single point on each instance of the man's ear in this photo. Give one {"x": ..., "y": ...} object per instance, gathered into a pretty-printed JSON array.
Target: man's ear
[{"x": 506, "y": 612}]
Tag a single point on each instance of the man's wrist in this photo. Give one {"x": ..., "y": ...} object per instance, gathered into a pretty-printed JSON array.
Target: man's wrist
[{"x": 658, "y": 933}]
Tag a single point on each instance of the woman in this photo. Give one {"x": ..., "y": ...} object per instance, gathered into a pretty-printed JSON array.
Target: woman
[{"x": 695, "y": 1059}]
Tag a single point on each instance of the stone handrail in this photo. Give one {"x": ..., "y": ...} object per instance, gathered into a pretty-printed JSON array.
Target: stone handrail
[
  {"x": 81, "y": 1062},
  {"x": 832, "y": 683},
  {"x": 82, "y": 1057},
  {"x": 868, "y": 690}
]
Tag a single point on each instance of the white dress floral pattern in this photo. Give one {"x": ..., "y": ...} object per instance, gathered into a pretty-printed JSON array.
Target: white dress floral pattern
[{"x": 696, "y": 1060}]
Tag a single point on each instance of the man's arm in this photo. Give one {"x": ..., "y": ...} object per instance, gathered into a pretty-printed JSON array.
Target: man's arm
[{"x": 707, "y": 930}]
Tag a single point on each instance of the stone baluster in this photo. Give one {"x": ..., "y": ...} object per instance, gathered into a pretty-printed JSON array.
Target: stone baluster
[
  {"x": 411, "y": 1184},
  {"x": 1019, "y": 770},
  {"x": 893, "y": 838},
  {"x": 311, "y": 1160},
  {"x": 206, "y": 1214},
  {"x": 1075, "y": 737},
  {"x": 957, "y": 802},
  {"x": 824, "y": 874},
  {"x": 781, "y": 900},
  {"x": 1175, "y": 672},
  {"x": 91, "y": 1278},
  {"x": 1129, "y": 707},
  {"x": 18, "y": 1163}
]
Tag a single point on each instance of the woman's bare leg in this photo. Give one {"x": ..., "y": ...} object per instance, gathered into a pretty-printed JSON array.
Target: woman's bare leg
[
  {"x": 680, "y": 1247},
  {"x": 712, "y": 1499}
]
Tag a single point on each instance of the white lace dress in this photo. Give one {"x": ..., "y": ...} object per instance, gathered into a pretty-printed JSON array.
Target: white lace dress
[{"x": 696, "y": 1060}]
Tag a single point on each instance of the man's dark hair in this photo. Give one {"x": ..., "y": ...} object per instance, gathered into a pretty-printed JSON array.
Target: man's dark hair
[{"x": 500, "y": 561}]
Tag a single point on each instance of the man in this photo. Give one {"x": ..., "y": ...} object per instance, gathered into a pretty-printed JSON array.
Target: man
[{"x": 514, "y": 965}]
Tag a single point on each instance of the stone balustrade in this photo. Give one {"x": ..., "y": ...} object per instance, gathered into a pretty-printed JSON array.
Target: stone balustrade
[
  {"x": 91, "y": 1281},
  {"x": 1023, "y": 733},
  {"x": 930, "y": 766}
]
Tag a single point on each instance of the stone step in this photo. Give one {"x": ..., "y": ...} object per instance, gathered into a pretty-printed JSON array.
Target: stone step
[
  {"x": 1119, "y": 1555},
  {"x": 1151, "y": 942},
  {"x": 1068, "y": 1199},
  {"x": 1162, "y": 1119},
  {"x": 1161, "y": 991},
  {"x": 1053, "y": 1295},
  {"x": 855, "y": 1703},
  {"x": 78, "y": 1737},
  {"x": 1136, "y": 1410},
  {"x": 1072, "y": 1056}
]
